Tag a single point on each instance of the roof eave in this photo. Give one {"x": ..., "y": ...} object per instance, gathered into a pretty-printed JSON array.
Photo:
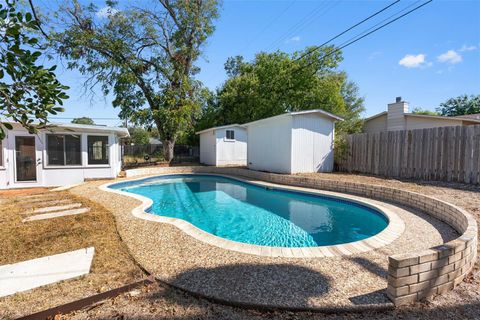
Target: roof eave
[
  {"x": 220, "y": 127},
  {"x": 440, "y": 117},
  {"x": 376, "y": 116}
]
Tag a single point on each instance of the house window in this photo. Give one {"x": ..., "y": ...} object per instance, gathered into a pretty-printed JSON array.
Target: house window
[
  {"x": 1, "y": 153},
  {"x": 97, "y": 149},
  {"x": 63, "y": 150},
  {"x": 230, "y": 134}
]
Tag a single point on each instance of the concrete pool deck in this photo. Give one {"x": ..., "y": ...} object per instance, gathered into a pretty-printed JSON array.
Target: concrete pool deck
[{"x": 357, "y": 281}]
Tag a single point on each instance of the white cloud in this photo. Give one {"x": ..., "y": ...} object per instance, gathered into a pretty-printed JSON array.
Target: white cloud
[
  {"x": 465, "y": 48},
  {"x": 293, "y": 39},
  {"x": 106, "y": 12},
  {"x": 451, "y": 56},
  {"x": 413, "y": 61}
]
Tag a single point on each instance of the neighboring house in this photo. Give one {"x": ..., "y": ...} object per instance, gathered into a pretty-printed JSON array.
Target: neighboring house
[
  {"x": 293, "y": 142},
  {"x": 60, "y": 155},
  {"x": 475, "y": 116},
  {"x": 397, "y": 117},
  {"x": 224, "y": 146}
]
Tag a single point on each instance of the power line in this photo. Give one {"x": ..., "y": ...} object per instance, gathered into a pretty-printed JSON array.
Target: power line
[
  {"x": 268, "y": 25},
  {"x": 346, "y": 30},
  {"x": 361, "y": 36},
  {"x": 380, "y": 22},
  {"x": 320, "y": 10}
]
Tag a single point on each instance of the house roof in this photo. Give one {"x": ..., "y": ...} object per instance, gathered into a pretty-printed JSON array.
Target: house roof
[
  {"x": 220, "y": 127},
  {"x": 441, "y": 117},
  {"x": 376, "y": 115},
  {"x": 121, "y": 132},
  {"x": 296, "y": 113},
  {"x": 465, "y": 118},
  {"x": 475, "y": 116}
]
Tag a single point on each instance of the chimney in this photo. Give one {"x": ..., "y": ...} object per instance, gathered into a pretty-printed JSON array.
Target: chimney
[{"x": 396, "y": 115}]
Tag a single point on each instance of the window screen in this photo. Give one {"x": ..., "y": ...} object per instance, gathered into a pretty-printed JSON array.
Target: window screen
[{"x": 63, "y": 150}]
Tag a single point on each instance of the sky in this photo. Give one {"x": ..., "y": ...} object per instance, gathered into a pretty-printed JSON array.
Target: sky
[{"x": 426, "y": 57}]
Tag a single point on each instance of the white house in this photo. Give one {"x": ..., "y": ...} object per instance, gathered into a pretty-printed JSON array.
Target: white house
[
  {"x": 293, "y": 142},
  {"x": 224, "y": 146},
  {"x": 398, "y": 117},
  {"x": 60, "y": 155}
]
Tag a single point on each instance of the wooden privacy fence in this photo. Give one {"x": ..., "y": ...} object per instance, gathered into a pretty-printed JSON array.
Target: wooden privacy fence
[{"x": 444, "y": 153}]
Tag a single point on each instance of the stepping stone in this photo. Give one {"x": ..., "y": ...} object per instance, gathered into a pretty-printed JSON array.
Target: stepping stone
[
  {"x": 57, "y": 208},
  {"x": 31, "y": 206},
  {"x": 38, "y": 272},
  {"x": 56, "y": 214},
  {"x": 39, "y": 200}
]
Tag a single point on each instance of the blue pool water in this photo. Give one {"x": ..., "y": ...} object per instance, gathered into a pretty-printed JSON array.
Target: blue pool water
[{"x": 252, "y": 214}]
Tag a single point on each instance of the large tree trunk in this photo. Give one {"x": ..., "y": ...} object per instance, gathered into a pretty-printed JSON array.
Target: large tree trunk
[{"x": 168, "y": 149}]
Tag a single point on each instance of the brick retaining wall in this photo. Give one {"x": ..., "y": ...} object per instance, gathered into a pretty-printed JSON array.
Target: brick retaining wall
[{"x": 412, "y": 276}]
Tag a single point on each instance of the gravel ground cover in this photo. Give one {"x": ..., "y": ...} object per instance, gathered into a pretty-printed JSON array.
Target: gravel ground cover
[
  {"x": 112, "y": 265},
  {"x": 352, "y": 282},
  {"x": 163, "y": 302}
]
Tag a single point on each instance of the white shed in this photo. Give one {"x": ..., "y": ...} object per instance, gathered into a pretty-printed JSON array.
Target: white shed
[
  {"x": 224, "y": 146},
  {"x": 293, "y": 142}
]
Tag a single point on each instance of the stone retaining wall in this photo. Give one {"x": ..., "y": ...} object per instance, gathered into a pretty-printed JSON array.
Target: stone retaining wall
[{"x": 412, "y": 276}]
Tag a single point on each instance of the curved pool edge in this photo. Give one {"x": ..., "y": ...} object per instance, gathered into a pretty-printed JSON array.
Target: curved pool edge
[{"x": 393, "y": 230}]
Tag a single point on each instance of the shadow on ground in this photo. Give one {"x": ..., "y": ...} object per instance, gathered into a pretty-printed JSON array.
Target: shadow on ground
[
  {"x": 164, "y": 302},
  {"x": 240, "y": 283}
]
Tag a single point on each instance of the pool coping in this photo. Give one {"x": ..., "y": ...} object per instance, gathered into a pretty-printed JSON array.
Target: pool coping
[{"x": 394, "y": 229}]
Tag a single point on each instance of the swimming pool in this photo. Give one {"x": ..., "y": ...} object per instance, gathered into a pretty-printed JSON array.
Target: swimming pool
[{"x": 247, "y": 213}]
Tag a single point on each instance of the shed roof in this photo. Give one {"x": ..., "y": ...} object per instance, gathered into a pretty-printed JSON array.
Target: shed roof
[
  {"x": 220, "y": 127},
  {"x": 304, "y": 112}
]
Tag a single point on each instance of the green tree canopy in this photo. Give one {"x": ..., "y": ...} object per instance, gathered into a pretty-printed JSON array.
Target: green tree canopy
[
  {"x": 83, "y": 120},
  {"x": 274, "y": 83},
  {"x": 460, "y": 105},
  {"x": 139, "y": 135},
  {"x": 29, "y": 91},
  {"x": 145, "y": 55},
  {"x": 425, "y": 112}
]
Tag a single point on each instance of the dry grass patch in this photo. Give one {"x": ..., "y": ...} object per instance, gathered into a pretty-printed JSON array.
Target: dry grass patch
[{"x": 112, "y": 265}]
